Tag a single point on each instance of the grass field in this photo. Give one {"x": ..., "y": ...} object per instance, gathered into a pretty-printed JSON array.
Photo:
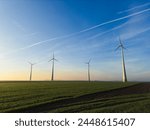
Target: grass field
[{"x": 74, "y": 96}]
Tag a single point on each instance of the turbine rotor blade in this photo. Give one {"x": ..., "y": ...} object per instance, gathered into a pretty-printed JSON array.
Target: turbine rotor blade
[
  {"x": 120, "y": 41},
  {"x": 117, "y": 47},
  {"x": 124, "y": 47},
  {"x": 89, "y": 61},
  {"x": 29, "y": 62},
  {"x": 50, "y": 60},
  {"x": 55, "y": 59},
  {"x": 120, "y": 44}
]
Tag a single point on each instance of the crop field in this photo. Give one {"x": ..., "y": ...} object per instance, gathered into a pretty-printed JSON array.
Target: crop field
[{"x": 74, "y": 96}]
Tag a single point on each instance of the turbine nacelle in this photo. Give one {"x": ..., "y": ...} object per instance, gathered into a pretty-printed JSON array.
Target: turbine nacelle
[
  {"x": 120, "y": 45},
  {"x": 88, "y": 62},
  {"x": 31, "y": 63},
  {"x": 53, "y": 59}
]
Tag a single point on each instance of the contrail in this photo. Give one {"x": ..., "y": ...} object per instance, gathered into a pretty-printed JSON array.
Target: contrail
[
  {"x": 112, "y": 29},
  {"x": 82, "y": 31},
  {"x": 88, "y": 29},
  {"x": 115, "y": 20},
  {"x": 47, "y": 40},
  {"x": 102, "y": 33},
  {"x": 131, "y": 35},
  {"x": 139, "y": 6}
]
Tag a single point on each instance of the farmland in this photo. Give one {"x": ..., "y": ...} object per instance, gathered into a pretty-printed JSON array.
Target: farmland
[{"x": 74, "y": 96}]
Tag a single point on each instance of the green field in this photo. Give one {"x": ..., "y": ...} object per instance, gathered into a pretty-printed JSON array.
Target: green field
[{"x": 72, "y": 96}]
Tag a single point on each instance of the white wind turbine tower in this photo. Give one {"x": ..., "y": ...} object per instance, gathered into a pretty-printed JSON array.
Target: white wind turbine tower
[
  {"x": 53, "y": 64},
  {"x": 88, "y": 63},
  {"x": 31, "y": 64},
  {"x": 124, "y": 76}
]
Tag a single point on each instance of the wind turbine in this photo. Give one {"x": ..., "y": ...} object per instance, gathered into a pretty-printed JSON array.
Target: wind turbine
[
  {"x": 31, "y": 64},
  {"x": 53, "y": 63},
  {"x": 124, "y": 76},
  {"x": 88, "y": 63}
]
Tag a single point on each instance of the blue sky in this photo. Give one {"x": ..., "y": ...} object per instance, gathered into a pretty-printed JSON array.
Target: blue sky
[{"x": 75, "y": 30}]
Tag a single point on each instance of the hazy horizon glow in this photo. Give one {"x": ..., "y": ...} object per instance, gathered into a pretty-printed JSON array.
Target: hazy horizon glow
[{"x": 75, "y": 31}]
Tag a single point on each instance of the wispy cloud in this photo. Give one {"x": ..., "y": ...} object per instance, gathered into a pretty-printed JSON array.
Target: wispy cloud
[
  {"x": 139, "y": 25},
  {"x": 136, "y": 7},
  {"x": 134, "y": 33}
]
